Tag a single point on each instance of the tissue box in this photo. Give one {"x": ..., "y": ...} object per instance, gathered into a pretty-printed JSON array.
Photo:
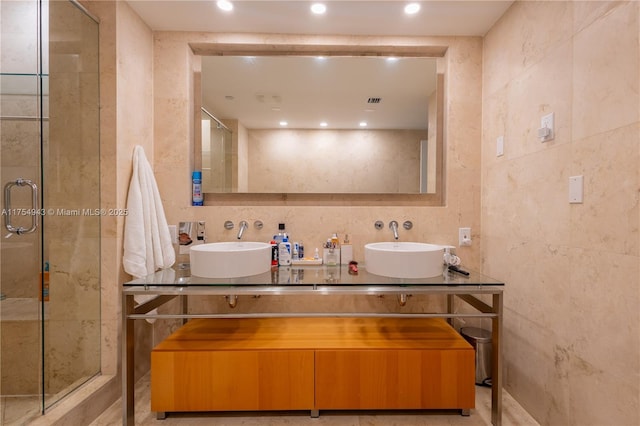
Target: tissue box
[{"x": 346, "y": 254}]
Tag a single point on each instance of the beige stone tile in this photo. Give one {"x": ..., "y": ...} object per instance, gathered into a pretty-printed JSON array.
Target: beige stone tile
[
  {"x": 603, "y": 289},
  {"x": 542, "y": 88},
  {"x": 297, "y": 161},
  {"x": 15, "y": 410},
  {"x": 586, "y": 13},
  {"x": 526, "y": 198},
  {"x": 494, "y": 124},
  {"x": 20, "y": 357},
  {"x": 528, "y": 378},
  {"x": 607, "y": 220},
  {"x": 609, "y": 392},
  {"x": 522, "y": 37},
  {"x": 608, "y": 47}
]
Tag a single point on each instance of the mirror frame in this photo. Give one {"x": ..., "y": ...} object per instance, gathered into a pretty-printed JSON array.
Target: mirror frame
[{"x": 335, "y": 199}]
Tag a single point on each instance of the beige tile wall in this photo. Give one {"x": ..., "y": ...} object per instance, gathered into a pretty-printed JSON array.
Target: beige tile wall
[
  {"x": 572, "y": 326},
  {"x": 126, "y": 114},
  {"x": 321, "y": 161}
]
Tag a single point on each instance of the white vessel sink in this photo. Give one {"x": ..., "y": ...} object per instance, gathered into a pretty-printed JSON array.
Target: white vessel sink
[
  {"x": 230, "y": 259},
  {"x": 404, "y": 259}
]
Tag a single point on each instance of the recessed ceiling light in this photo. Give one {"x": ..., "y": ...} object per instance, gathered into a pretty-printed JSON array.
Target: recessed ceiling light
[
  {"x": 283, "y": 123},
  {"x": 393, "y": 59},
  {"x": 324, "y": 124},
  {"x": 363, "y": 124},
  {"x": 412, "y": 8},
  {"x": 225, "y": 5},
  {"x": 318, "y": 8}
]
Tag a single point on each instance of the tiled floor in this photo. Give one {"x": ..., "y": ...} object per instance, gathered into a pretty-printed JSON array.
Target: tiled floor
[
  {"x": 15, "y": 409},
  {"x": 512, "y": 415}
]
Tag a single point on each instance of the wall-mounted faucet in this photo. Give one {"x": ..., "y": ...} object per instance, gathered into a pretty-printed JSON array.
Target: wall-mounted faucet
[
  {"x": 243, "y": 227},
  {"x": 393, "y": 225}
]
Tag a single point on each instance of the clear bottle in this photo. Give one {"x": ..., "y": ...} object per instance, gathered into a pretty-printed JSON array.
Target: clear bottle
[{"x": 281, "y": 235}]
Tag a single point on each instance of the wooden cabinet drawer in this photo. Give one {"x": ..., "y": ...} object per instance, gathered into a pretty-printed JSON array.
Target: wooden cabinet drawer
[
  {"x": 232, "y": 380},
  {"x": 394, "y": 379}
]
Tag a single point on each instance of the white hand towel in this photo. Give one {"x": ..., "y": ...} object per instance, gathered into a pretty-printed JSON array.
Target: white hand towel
[{"x": 147, "y": 242}]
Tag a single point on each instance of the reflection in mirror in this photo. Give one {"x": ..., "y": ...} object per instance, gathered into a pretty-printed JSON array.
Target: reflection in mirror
[
  {"x": 218, "y": 163},
  {"x": 300, "y": 124}
]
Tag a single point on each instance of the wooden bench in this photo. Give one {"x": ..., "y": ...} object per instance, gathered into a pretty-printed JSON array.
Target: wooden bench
[{"x": 312, "y": 364}]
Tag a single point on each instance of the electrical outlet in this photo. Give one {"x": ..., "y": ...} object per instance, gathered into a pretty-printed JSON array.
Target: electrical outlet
[
  {"x": 547, "y": 123},
  {"x": 464, "y": 237}
]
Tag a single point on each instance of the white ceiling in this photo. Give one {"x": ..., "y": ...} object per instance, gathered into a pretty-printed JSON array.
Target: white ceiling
[
  {"x": 360, "y": 17},
  {"x": 264, "y": 96},
  {"x": 304, "y": 91}
]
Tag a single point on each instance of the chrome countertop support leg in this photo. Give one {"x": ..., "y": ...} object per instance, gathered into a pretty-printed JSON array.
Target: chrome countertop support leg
[
  {"x": 496, "y": 362},
  {"x": 185, "y": 307},
  {"x": 128, "y": 348}
]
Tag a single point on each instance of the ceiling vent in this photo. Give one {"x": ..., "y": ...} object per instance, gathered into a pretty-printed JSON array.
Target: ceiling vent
[{"x": 374, "y": 100}]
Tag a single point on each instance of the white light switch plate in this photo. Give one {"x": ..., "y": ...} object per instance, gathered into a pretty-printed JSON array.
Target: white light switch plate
[
  {"x": 576, "y": 189},
  {"x": 500, "y": 146}
]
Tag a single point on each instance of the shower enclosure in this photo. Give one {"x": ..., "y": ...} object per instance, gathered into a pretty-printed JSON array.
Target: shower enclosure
[
  {"x": 50, "y": 174},
  {"x": 219, "y": 159}
]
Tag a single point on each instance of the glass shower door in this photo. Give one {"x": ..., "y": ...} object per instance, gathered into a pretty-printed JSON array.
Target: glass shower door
[
  {"x": 21, "y": 130},
  {"x": 71, "y": 202},
  {"x": 50, "y": 230}
]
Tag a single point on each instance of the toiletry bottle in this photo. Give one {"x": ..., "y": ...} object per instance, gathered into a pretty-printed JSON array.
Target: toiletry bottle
[
  {"x": 44, "y": 283},
  {"x": 330, "y": 255},
  {"x": 295, "y": 254},
  {"x": 346, "y": 251},
  {"x": 284, "y": 253},
  {"x": 196, "y": 186},
  {"x": 335, "y": 243},
  {"x": 274, "y": 253},
  {"x": 279, "y": 237}
]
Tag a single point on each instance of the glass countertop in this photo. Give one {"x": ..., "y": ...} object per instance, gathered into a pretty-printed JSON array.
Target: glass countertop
[{"x": 311, "y": 275}]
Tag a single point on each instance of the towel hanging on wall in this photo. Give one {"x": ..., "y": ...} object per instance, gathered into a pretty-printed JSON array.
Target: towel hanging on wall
[{"x": 147, "y": 242}]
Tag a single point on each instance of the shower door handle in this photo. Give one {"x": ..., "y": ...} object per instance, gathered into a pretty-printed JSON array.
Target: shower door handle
[{"x": 8, "y": 211}]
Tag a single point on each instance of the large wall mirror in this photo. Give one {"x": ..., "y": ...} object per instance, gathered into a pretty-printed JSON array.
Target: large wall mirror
[{"x": 312, "y": 124}]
